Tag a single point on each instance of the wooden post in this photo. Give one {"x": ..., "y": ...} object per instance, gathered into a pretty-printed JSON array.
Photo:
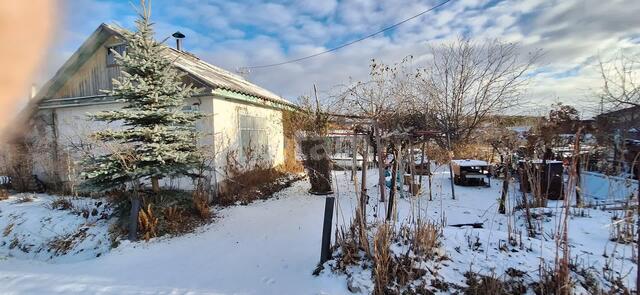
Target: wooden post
[
  {"x": 422, "y": 163},
  {"x": 578, "y": 175},
  {"x": 412, "y": 170},
  {"x": 400, "y": 168},
  {"x": 325, "y": 251},
  {"x": 638, "y": 226},
  {"x": 381, "y": 162}
]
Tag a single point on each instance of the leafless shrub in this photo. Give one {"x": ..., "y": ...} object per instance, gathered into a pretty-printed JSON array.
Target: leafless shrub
[
  {"x": 173, "y": 218},
  {"x": 61, "y": 203},
  {"x": 348, "y": 242},
  {"x": 201, "y": 204},
  {"x": 249, "y": 186},
  {"x": 16, "y": 162},
  {"x": 24, "y": 198}
]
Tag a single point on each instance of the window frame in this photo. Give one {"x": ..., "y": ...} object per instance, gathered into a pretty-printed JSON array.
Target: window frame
[
  {"x": 110, "y": 58},
  {"x": 265, "y": 149}
]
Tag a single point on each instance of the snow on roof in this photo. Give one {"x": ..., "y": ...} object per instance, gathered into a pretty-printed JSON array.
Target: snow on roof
[
  {"x": 212, "y": 75},
  {"x": 520, "y": 129},
  {"x": 469, "y": 163},
  {"x": 539, "y": 161}
]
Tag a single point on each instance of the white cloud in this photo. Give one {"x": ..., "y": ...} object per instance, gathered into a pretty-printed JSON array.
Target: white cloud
[{"x": 572, "y": 34}]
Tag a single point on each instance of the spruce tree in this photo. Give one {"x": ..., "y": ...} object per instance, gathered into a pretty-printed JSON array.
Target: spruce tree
[{"x": 157, "y": 138}]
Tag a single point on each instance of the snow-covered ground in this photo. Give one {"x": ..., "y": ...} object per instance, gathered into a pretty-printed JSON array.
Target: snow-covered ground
[
  {"x": 268, "y": 247},
  {"x": 30, "y": 228},
  {"x": 272, "y": 247}
]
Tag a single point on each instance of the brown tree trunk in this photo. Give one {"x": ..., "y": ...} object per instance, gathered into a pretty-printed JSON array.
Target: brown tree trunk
[
  {"x": 155, "y": 184},
  {"x": 381, "y": 162},
  {"x": 354, "y": 155},
  {"x": 133, "y": 213},
  {"x": 505, "y": 190}
]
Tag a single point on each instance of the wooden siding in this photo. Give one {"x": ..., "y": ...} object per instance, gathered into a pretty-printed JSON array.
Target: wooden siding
[{"x": 93, "y": 76}]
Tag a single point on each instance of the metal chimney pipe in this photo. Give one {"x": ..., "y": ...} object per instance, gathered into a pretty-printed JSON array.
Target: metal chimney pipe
[{"x": 179, "y": 36}]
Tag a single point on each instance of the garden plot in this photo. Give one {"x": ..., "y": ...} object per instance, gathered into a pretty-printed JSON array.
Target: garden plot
[
  {"x": 273, "y": 246},
  {"x": 502, "y": 248}
]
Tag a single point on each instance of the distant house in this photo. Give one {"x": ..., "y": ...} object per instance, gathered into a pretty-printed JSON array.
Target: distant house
[
  {"x": 624, "y": 121},
  {"x": 622, "y": 128},
  {"x": 243, "y": 128}
]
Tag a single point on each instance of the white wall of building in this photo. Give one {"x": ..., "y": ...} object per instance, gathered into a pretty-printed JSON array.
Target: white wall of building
[
  {"x": 226, "y": 122},
  {"x": 219, "y": 129}
]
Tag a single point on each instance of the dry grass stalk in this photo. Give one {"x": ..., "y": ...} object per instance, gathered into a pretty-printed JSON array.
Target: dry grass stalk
[
  {"x": 148, "y": 223},
  {"x": 62, "y": 244},
  {"x": 8, "y": 229},
  {"x": 173, "y": 218},
  {"x": 426, "y": 238},
  {"x": 382, "y": 259},
  {"x": 201, "y": 204},
  {"x": 350, "y": 249},
  {"x": 4, "y": 194}
]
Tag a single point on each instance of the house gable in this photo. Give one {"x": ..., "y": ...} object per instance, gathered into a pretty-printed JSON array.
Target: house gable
[{"x": 84, "y": 77}]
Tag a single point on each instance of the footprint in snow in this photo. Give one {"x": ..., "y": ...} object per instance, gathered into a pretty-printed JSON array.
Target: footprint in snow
[{"x": 268, "y": 280}]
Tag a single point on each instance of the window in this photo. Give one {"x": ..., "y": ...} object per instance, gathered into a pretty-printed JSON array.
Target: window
[
  {"x": 111, "y": 58},
  {"x": 253, "y": 138},
  {"x": 194, "y": 108}
]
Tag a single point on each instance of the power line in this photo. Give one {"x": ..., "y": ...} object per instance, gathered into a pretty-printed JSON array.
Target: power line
[{"x": 351, "y": 42}]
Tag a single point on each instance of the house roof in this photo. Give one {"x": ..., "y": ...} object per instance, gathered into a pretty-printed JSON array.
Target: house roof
[
  {"x": 211, "y": 75},
  {"x": 618, "y": 112},
  {"x": 469, "y": 163},
  {"x": 206, "y": 73}
]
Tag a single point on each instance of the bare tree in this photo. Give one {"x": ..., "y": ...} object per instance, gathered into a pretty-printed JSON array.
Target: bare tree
[
  {"x": 380, "y": 99},
  {"x": 620, "y": 81},
  {"x": 467, "y": 82}
]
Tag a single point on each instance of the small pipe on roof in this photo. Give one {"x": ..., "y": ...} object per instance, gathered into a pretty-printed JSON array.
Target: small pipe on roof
[{"x": 179, "y": 36}]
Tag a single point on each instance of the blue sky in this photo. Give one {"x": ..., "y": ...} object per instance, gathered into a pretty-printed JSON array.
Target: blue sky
[{"x": 573, "y": 34}]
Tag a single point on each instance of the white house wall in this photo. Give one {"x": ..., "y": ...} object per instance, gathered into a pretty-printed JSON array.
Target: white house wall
[
  {"x": 219, "y": 129},
  {"x": 73, "y": 129},
  {"x": 227, "y": 135}
]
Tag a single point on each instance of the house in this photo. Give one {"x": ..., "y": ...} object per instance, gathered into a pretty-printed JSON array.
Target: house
[
  {"x": 622, "y": 129},
  {"x": 242, "y": 130},
  {"x": 624, "y": 121}
]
